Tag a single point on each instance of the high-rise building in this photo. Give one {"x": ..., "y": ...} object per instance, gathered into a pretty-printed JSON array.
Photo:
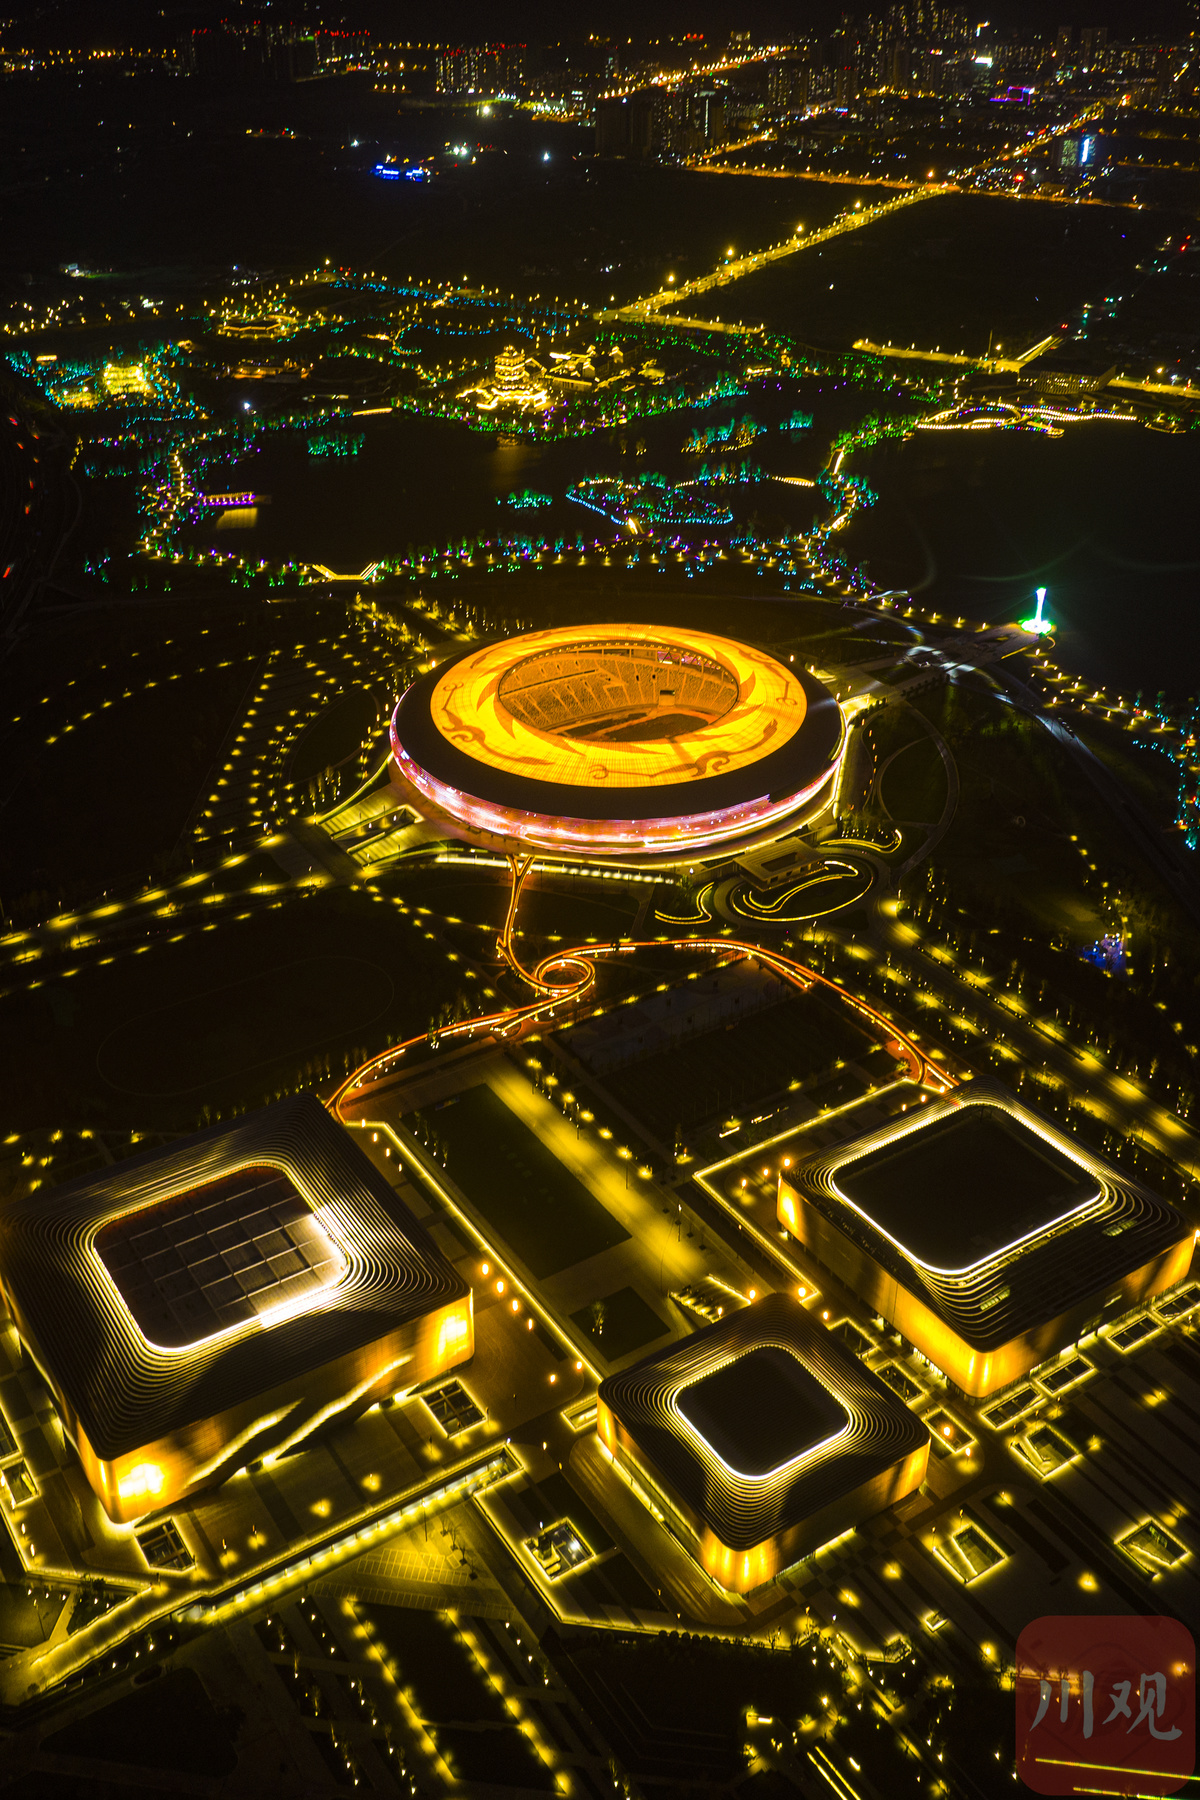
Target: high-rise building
[
  {"x": 787, "y": 84},
  {"x": 253, "y": 52},
  {"x": 481, "y": 69},
  {"x": 707, "y": 114},
  {"x": 898, "y": 65},
  {"x": 672, "y": 128},
  {"x": 625, "y": 124}
]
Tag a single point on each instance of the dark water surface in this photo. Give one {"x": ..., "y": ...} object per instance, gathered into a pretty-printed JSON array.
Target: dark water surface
[
  {"x": 1104, "y": 517},
  {"x": 971, "y": 523},
  {"x": 426, "y": 481}
]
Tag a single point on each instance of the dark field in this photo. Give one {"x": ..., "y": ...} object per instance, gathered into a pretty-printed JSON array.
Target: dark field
[
  {"x": 571, "y": 226},
  {"x": 619, "y": 1323},
  {"x": 1102, "y": 516},
  {"x": 1008, "y": 834},
  {"x": 222, "y": 1017},
  {"x": 190, "y": 1045},
  {"x": 720, "y": 1070},
  {"x": 537, "y": 1206},
  {"x": 113, "y": 791},
  {"x": 435, "y": 1665},
  {"x": 914, "y": 785},
  {"x": 334, "y": 736},
  {"x": 451, "y": 1695},
  {"x": 948, "y": 273},
  {"x": 137, "y": 699},
  {"x": 170, "y": 1724}
]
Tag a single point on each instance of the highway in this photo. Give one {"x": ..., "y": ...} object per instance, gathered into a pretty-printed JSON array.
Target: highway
[
  {"x": 1014, "y": 364},
  {"x": 995, "y": 364}
]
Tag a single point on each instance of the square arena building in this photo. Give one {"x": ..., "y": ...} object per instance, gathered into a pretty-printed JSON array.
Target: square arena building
[
  {"x": 986, "y": 1236},
  {"x": 201, "y": 1305},
  {"x": 759, "y": 1439}
]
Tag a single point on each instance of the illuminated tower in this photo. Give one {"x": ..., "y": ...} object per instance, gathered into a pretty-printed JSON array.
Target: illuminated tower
[
  {"x": 1039, "y": 624},
  {"x": 510, "y": 378}
]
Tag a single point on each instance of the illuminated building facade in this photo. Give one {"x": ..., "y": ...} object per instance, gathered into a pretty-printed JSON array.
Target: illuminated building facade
[
  {"x": 481, "y": 69},
  {"x": 125, "y": 381},
  {"x": 987, "y": 1237},
  {"x": 280, "y": 323},
  {"x": 760, "y": 1438},
  {"x": 204, "y": 1305},
  {"x": 619, "y": 740},
  {"x": 517, "y": 384}
]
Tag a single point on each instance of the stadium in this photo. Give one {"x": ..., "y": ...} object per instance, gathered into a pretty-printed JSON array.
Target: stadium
[
  {"x": 628, "y": 741},
  {"x": 759, "y": 1439},
  {"x": 988, "y": 1238},
  {"x": 203, "y": 1305}
]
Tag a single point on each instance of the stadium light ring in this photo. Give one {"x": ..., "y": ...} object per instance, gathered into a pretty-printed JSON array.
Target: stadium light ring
[{"x": 617, "y": 740}]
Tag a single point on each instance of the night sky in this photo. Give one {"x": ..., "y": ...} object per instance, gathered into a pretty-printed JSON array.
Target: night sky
[{"x": 82, "y": 22}]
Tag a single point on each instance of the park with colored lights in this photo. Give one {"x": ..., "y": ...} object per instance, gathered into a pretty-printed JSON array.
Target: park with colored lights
[{"x": 599, "y": 915}]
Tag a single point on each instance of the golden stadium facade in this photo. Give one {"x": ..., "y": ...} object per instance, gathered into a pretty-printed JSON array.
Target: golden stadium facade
[
  {"x": 987, "y": 1237},
  {"x": 616, "y": 740},
  {"x": 759, "y": 1439},
  {"x": 203, "y": 1305}
]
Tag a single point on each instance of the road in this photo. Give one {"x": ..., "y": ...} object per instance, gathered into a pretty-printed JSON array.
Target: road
[{"x": 736, "y": 266}]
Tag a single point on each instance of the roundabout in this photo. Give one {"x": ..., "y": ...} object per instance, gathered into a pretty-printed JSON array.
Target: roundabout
[{"x": 628, "y": 741}]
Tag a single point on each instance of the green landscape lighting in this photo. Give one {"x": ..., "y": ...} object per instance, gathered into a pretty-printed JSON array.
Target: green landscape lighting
[{"x": 1040, "y": 625}]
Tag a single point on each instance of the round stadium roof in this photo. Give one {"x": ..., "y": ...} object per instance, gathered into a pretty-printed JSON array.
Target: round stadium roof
[{"x": 617, "y": 740}]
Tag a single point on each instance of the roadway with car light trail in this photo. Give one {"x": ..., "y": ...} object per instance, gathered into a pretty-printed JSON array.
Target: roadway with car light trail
[{"x": 734, "y": 267}]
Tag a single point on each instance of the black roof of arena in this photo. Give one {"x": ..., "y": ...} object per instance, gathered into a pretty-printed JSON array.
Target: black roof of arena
[
  {"x": 966, "y": 1202},
  {"x": 797, "y": 1423},
  {"x": 128, "y": 1391}
]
